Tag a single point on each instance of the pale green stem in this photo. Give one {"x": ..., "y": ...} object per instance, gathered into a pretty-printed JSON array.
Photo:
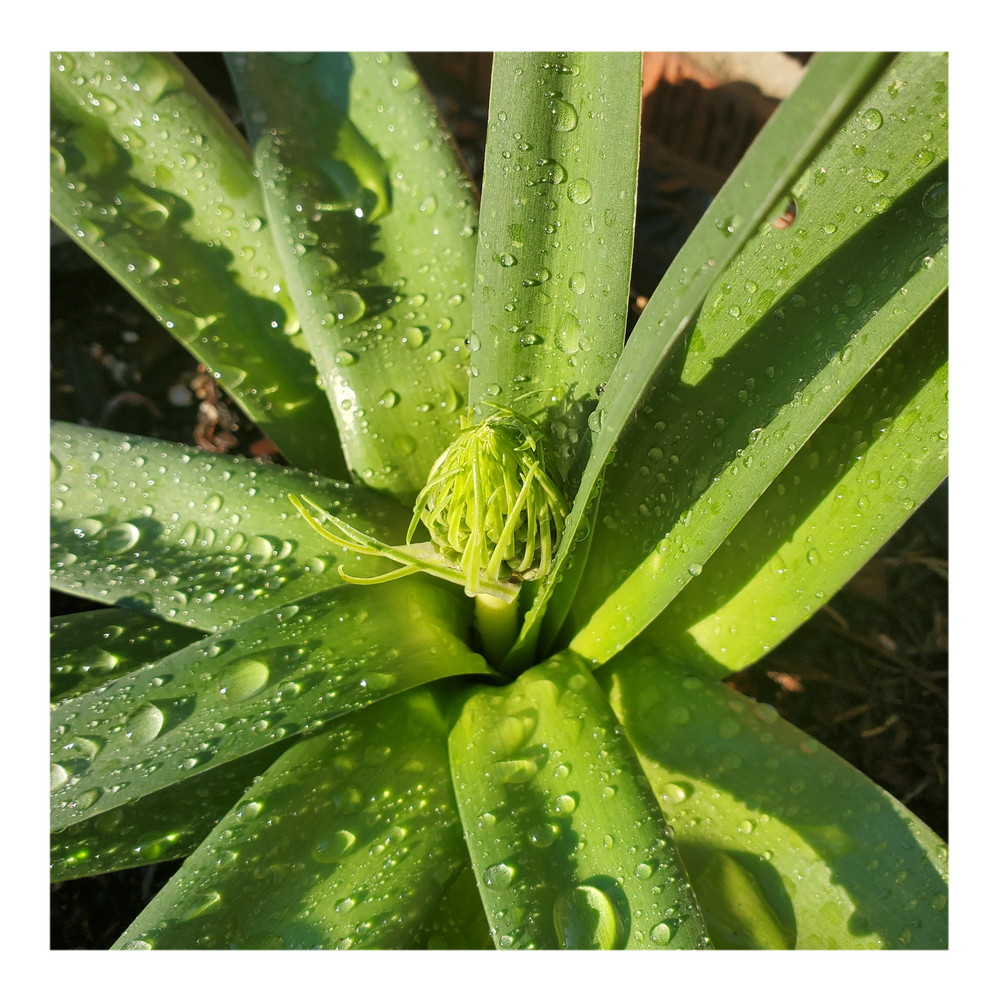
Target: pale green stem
[{"x": 496, "y": 622}]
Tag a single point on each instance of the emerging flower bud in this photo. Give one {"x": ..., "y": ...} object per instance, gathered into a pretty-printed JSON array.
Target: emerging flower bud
[
  {"x": 494, "y": 512},
  {"x": 490, "y": 505}
]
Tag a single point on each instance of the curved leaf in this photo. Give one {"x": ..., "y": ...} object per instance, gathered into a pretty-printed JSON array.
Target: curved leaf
[
  {"x": 282, "y": 672},
  {"x": 789, "y": 841},
  {"x": 374, "y": 216},
  {"x": 155, "y": 183},
  {"x": 566, "y": 842},
  {"x": 348, "y": 841},
  {"x": 555, "y": 239},
  {"x": 204, "y": 540},
  {"x": 162, "y": 826},
  {"x": 460, "y": 920},
  {"x": 875, "y": 459},
  {"x": 784, "y": 146},
  {"x": 94, "y": 647},
  {"x": 723, "y": 421}
]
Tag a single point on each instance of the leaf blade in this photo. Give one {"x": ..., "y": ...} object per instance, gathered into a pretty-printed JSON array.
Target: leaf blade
[
  {"x": 554, "y": 816},
  {"x": 830, "y": 84},
  {"x": 550, "y": 318},
  {"x": 254, "y": 883},
  {"x": 869, "y": 874},
  {"x": 399, "y": 277},
  {"x": 772, "y": 586},
  {"x": 154, "y": 182},
  {"x": 282, "y": 672},
  {"x": 746, "y": 385},
  {"x": 93, "y": 647},
  {"x": 207, "y": 542}
]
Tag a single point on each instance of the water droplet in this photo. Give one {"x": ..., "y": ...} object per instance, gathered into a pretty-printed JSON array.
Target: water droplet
[
  {"x": 680, "y": 715},
  {"x": 58, "y": 776},
  {"x": 872, "y": 119},
  {"x": 142, "y": 264},
  {"x": 543, "y": 835},
  {"x": 578, "y": 283},
  {"x": 507, "y": 260},
  {"x": 935, "y": 200},
  {"x": 202, "y": 903},
  {"x": 661, "y": 934},
  {"x": 121, "y": 537},
  {"x": 415, "y": 336},
  {"x": 347, "y": 306},
  {"x": 144, "y": 724},
  {"x": 242, "y": 679},
  {"x": 564, "y": 117},
  {"x": 568, "y": 332},
  {"x": 498, "y": 876},
  {"x": 565, "y": 804},
  {"x": 585, "y": 918},
  {"x": 875, "y": 176},
  {"x": 695, "y": 569},
  {"x": 429, "y": 205},
  {"x": 643, "y": 871},
  {"x": 939, "y": 902},
  {"x": 389, "y": 399},
  {"x": 580, "y": 191},
  {"x": 674, "y": 794},
  {"x": 766, "y": 713},
  {"x": 852, "y": 295},
  {"x": 333, "y": 848},
  {"x": 86, "y": 527},
  {"x": 345, "y": 358},
  {"x": 404, "y": 444}
]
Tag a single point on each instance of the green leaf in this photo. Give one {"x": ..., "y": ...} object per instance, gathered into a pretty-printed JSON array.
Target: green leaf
[
  {"x": 555, "y": 240},
  {"x": 95, "y": 647},
  {"x": 204, "y": 540},
  {"x": 714, "y": 434},
  {"x": 460, "y": 920},
  {"x": 348, "y": 841},
  {"x": 162, "y": 826},
  {"x": 787, "y": 839},
  {"x": 280, "y": 673},
  {"x": 567, "y": 844},
  {"x": 784, "y": 146},
  {"x": 374, "y": 216},
  {"x": 155, "y": 183},
  {"x": 860, "y": 476}
]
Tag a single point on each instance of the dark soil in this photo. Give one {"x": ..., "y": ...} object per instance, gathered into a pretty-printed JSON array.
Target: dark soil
[{"x": 867, "y": 675}]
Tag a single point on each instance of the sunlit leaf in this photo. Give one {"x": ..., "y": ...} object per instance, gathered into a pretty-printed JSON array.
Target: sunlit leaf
[
  {"x": 792, "y": 136},
  {"x": 460, "y": 920},
  {"x": 823, "y": 306},
  {"x": 92, "y": 648},
  {"x": 280, "y": 673},
  {"x": 162, "y": 826},
  {"x": 374, "y": 219},
  {"x": 348, "y": 841},
  {"x": 784, "y": 840},
  {"x": 859, "y": 477},
  {"x": 566, "y": 842},
  {"x": 204, "y": 540},
  {"x": 555, "y": 241},
  {"x": 155, "y": 183}
]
